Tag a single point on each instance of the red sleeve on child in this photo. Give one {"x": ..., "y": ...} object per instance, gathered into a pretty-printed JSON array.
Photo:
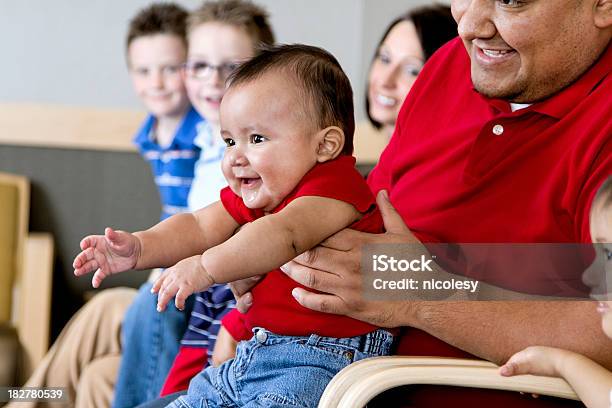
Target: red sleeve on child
[
  {"x": 235, "y": 207},
  {"x": 188, "y": 363},
  {"x": 235, "y": 325},
  {"x": 337, "y": 179}
]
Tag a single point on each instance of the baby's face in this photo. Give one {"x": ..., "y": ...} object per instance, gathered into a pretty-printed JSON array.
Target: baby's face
[
  {"x": 271, "y": 143},
  {"x": 214, "y": 50},
  {"x": 601, "y": 233},
  {"x": 154, "y": 63}
]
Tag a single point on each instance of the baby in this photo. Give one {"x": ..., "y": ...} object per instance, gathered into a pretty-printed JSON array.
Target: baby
[
  {"x": 592, "y": 382},
  {"x": 287, "y": 121}
]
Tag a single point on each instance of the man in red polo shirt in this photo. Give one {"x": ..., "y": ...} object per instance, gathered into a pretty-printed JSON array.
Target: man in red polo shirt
[{"x": 505, "y": 143}]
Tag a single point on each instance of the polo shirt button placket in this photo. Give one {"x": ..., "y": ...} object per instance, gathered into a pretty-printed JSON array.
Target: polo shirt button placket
[{"x": 498, "y": 130}]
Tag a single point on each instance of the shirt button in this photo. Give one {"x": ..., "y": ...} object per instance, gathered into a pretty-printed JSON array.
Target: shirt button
[
  {"x": 498, "y": 130},
  {"x": 261, "y": 336}
]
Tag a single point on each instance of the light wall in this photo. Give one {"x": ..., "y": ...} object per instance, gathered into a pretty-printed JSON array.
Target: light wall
[{"x": 71, "y": 52}]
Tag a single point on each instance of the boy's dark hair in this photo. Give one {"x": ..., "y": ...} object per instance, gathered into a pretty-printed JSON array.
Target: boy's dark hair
[
  {"x": 604, "y": 194},
  {"x": 435, "y": 26},
  {"x": 327, "y": 90},
  {"x": 239, "y": 13},
  {"x": 159, "y": 18}
]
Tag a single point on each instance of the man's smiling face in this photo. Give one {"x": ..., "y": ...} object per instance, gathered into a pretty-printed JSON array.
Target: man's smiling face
[{"x": 526, "y": 51}]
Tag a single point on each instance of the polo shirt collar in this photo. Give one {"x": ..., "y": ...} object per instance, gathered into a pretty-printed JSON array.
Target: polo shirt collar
[
  {"x": 184, "y": 136},
  {"x": 564, "y": 101},
  {"x": 187, "y": 131},
  {"x": 144, "y": 133}
]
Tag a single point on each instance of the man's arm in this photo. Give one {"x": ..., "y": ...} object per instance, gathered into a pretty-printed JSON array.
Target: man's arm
[
  {"x": 491, "y": 330},
  {"x": 496, "y": 330}
]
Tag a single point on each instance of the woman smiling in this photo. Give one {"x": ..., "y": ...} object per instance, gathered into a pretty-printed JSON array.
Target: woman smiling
[{"x": 406, "y": 45}]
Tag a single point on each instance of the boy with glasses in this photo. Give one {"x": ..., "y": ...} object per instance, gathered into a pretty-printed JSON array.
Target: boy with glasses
[
  {"x": 156, "y": 53},
  {"x": 221, "y": 35}
]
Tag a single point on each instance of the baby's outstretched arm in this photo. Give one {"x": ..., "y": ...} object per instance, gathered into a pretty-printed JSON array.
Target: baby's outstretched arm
[
  {"x": 275, "y": 239},
  {"x": 176, "y": 238},
  {"x": 180, "y": 281},
  {"x": 113, "y": 252},
  {"x": 589, "y": 380},
  {"x": 257, "y": 248}
]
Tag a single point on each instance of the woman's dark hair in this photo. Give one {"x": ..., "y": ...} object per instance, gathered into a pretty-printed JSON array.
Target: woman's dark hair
[{"x": 434, "y": 25}]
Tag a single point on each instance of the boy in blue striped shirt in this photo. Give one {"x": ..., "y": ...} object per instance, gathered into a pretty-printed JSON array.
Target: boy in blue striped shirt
[
  {"x": 221, "y": 35},
  {"x": 156, "y": 52}
]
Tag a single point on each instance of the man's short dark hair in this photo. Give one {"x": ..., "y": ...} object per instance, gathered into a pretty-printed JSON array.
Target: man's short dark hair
[
  {"x": 160, "y": 18},
  {"x": 327, "y": 90}
]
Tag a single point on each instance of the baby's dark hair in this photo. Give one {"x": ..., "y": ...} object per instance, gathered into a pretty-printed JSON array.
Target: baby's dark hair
[
  {"x": 327, "y": 91},
  {"x": 603, "y": 198},
  {"x": 159, "y": 18}
]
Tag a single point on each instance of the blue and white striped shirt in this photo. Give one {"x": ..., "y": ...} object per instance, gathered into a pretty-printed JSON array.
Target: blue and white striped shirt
[{"x": 209, "y": 306}]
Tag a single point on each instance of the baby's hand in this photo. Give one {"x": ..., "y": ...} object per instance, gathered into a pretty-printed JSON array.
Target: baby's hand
[
  {"x": 181, "y": 280},
  {"x": 536, "y": 360},
  {"x": 225, "y": 347},
  {"x": 113, "y": 252}
]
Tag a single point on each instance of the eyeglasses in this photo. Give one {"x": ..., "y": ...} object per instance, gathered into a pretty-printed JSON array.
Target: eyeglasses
[{"x": 203, "y": 70}]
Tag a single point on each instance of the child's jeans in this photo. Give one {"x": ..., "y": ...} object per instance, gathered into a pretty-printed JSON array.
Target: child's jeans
[
  {"x": 280, "y": 371},
  {"x": 150, "y": 342}
]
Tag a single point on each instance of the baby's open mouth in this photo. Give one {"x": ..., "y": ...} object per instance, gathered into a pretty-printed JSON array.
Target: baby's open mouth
[{"x": 246, "y": 181}]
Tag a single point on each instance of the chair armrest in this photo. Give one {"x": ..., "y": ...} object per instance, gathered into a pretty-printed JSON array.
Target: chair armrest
[
  {"x": 9, "y": 349},
  {"x": 360, "y": 382},
  {"x": 345, "y": 379},
  {"x": 34, "y": 301}
]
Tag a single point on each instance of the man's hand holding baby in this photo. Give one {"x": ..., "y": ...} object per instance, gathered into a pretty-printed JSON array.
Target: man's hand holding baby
[{"x": 181, "y": 280}]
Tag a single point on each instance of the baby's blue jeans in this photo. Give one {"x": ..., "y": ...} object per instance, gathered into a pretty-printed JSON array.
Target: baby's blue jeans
[{"x": 280, "y": 371}]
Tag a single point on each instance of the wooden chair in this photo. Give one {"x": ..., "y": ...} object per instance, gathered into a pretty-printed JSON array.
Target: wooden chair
[
  {"x": 26, "y": 273},
  {"x": 358, "y": 383}
]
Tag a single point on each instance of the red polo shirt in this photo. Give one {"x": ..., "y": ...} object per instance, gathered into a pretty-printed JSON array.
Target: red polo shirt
[
  {"x": 463, "y": 168},
  {"x": 273, "y": 306}
]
